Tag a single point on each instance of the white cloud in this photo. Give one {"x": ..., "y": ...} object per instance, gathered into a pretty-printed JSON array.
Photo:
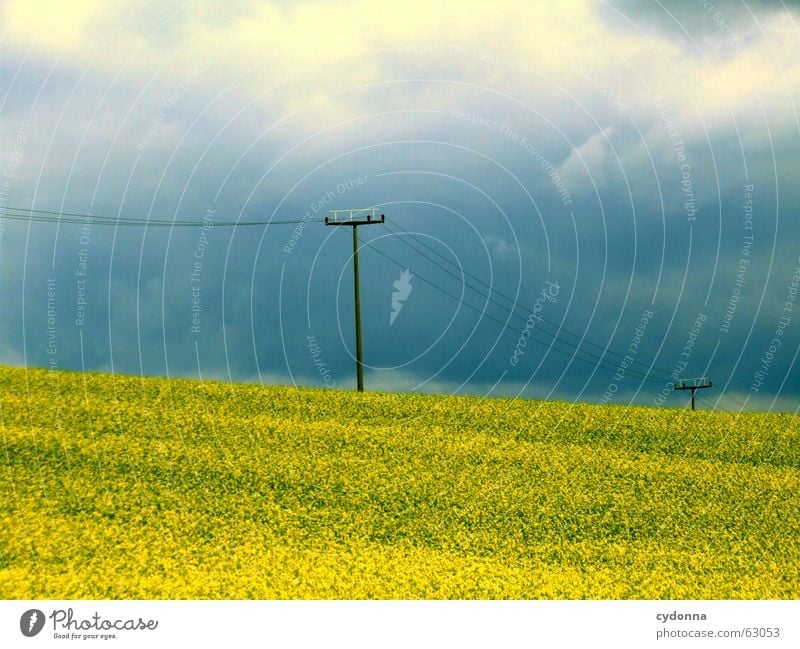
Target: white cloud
[{"x": 591, "y": 161}]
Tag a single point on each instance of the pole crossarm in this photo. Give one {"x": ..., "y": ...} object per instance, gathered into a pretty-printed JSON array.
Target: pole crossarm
[
  {"x": 693, "y": 385},
  {"x": 354, "y": 217}
]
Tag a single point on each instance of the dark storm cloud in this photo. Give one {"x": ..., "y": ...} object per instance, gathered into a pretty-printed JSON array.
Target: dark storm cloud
[
  {"x": 523, "y": 180},
  {"x": 733, "y": 24},
  {"x": 689, "y": 7}
]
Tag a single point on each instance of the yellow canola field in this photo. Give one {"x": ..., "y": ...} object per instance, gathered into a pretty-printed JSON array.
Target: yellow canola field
[{"x": 122, "y": 487}]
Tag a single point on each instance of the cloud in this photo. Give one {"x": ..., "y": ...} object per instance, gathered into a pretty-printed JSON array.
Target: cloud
[
  {"x": 460, "y": 119},
  {"x": 591, "y": 162}
]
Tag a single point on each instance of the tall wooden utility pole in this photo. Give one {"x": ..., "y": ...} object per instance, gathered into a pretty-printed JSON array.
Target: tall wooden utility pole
[
  {"x": 354, "y": 218},
  {"x": 692, "y": 384}
]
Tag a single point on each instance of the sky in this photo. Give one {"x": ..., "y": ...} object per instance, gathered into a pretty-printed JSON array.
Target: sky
[{"x": 584, "y": 201}]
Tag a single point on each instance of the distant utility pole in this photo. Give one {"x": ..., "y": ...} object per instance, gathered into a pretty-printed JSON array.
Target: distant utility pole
[
  {"x": 354, "y": 218},
  {"x": 692, "y": 384}
]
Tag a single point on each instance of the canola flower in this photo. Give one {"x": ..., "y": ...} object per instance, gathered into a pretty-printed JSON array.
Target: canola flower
[{"x": 122, "y": 487}]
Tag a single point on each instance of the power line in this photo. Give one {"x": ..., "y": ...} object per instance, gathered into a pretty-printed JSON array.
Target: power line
[
  {"x": 549, "y": 344},
  {"x": 713, "y": 405},
  {"x": 53, "y": 216},
  {"x": 46, "y": 216},
  {"x": 734, "y": 399},
  {"x": 515, "y": 304},
  {"x": 582, "y": 340},
  {"x": 61, "y": 217}
]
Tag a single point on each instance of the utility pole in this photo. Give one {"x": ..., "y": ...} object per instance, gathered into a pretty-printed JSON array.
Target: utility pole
[
  {"x": 354, "y": 218},
  {"x": 692, "y": 384}
]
